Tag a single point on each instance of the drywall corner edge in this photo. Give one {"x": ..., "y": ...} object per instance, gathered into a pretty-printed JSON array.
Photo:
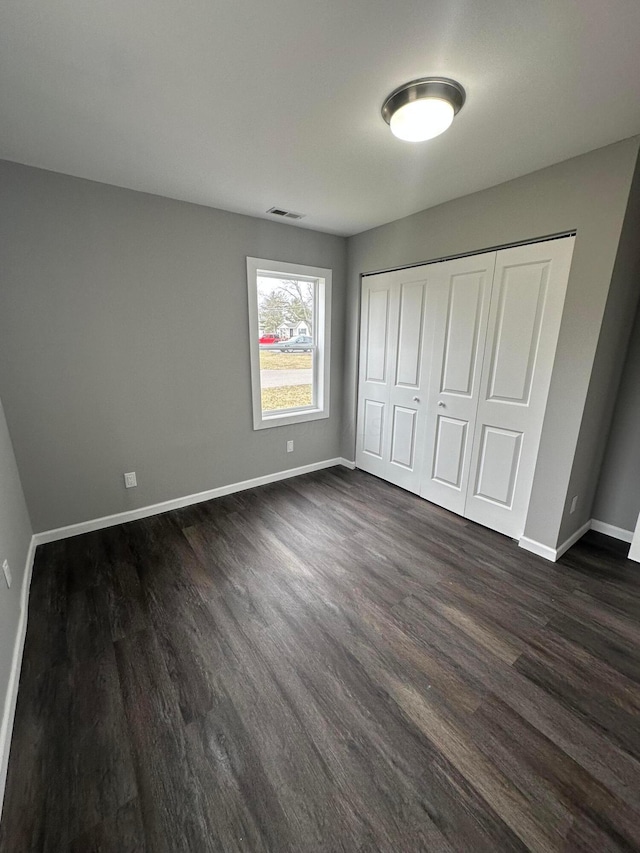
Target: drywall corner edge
[
  {"x": 553, "y": 554},
  {"x": 578, "y": 534},
  {"x": 634, "y": 550},
  {"x": 538, "y": 548},
  {"x": 9, "y": 710}
]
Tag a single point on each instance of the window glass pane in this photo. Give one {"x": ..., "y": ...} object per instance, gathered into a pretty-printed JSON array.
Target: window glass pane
[
  {"x": 286, "y": 380},
  {"x": 286, "y": 315}
]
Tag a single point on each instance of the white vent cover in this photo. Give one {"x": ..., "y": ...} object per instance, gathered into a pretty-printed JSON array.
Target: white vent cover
[{"x": 285, "y": 214}]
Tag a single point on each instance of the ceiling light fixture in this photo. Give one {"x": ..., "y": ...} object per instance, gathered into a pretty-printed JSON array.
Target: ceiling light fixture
[{"x": 423, "y": 108}]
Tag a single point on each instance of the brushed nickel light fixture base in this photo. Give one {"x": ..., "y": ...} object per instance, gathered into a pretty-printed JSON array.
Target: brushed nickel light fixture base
[{"x": 424, "y": 108}]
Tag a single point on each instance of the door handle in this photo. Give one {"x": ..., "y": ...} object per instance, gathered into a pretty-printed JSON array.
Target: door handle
[
  {"x": 442, "y": 405},
  {"x": 416, "y": 399}
]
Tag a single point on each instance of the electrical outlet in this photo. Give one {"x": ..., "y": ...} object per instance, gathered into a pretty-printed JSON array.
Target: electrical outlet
[
  {"x": 7, "y": 572},
  {"x": 130, "y": 481},
  {"x": 574, "y": 504},
  {"x": 290, "y": 447}
]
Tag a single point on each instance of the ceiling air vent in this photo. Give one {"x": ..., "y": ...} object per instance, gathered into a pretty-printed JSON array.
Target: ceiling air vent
[{"x": 285, "y": 214}]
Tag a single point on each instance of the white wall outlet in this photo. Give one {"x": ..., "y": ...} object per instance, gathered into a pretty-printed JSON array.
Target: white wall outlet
[
  {"x": 574, "y": 504},
  {"x": 130, "y": 481},
  {"x": 290, "y": 447},
  {"x": 7, "y": 572}
]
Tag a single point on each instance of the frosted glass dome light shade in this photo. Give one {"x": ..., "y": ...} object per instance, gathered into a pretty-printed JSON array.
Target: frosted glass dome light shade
[
  {"x": 421, "y": 120},
  {"x": 423, "y": 108}
]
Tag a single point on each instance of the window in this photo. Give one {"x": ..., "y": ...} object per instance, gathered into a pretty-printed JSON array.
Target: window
[{"x": 289, "y": 328}]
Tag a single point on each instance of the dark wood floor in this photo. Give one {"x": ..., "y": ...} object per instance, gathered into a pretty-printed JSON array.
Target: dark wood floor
[{"x": 325, "y": 664}]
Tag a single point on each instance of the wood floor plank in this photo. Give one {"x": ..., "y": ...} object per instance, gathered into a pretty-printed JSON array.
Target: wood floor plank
[
  {"x": 374, "y": 754},
  {"x": 546, "y": 773},
  {"x": 325, "y": 664},
  {"x": 597, "y": 693},
  {"x": 618, "y": 651},
  {"x": 98, "y": 750},
  {"x": 165, "y": 785},
  {"x": 37, "y": 809},
  {"x": 457, "y": 746},
  {"x": 588, "y": 746},
  {"x": 123, "y": 832},
  {"x": 72, "y": 759},
  {"x": 237, "y": 793}
]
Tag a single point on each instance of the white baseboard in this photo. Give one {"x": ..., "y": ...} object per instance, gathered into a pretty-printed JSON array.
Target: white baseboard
[
  {"x": 612, "y": 530},
  {"x": 553, "y": 554},
  {"x": 347, "y": 463},
  {"x": 6, "y": 726},
  {"x": 177, "y": 503},
  {"x": 538, "y": 548},
  {"x": 573, "y": 538}
]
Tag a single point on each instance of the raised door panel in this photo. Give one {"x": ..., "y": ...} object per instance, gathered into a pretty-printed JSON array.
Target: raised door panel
[
  {"x": 498, "y": 463},
  {"x": 521, "y": 299},
  {"x": 409, "y": 344},
  {"x": 464, "y": 317},
  {"x": 462, "y": 295},
  {"x": 524, "y": 322},
  {"x": 373, "y": 428},
  {"x": 377, "y": 334},
  {"x": 448, "y": 458},
  {"x": 403, "y": 437}
]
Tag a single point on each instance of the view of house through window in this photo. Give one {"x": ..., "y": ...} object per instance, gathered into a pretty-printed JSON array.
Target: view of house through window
[{"x": 288, "y": 342}]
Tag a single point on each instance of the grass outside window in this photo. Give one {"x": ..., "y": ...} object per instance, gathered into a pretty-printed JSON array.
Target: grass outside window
[{"x": 286, "y": 396}]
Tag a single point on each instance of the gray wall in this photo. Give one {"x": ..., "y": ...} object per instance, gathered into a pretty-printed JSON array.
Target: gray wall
[
  {"x": 588, "y": 194},
  {"x": 618, "y": 497},
  {"x": 15, "y": 537},
  {"x": 124, "y": 339},
  {"x": 601, "y": 411},
  {"x": 124, "y": 345}
]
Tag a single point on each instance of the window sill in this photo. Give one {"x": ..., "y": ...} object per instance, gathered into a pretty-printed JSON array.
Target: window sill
[{"x": 275, "y": 420}]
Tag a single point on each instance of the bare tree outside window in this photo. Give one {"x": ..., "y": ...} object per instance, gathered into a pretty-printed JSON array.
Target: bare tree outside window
[
  {"x": 298, "y": 296},
  {"x": 273, "y": 312},
  {"x": 285, "y": 303}
]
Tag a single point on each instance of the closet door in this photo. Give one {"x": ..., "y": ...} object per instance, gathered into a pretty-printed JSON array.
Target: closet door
[
  {"x": 377, "y": 325},
  {"x": 524, "y": 322},
  {"x": 390, "y": 405},
  {"x": 460, "y": 310}
]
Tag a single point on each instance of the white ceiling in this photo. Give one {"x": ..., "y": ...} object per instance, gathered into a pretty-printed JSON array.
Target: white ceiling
[{"x": 245, "y": 104}]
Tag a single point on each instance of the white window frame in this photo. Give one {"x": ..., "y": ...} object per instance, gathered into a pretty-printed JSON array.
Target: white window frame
[{"x": 322, "y": 336}]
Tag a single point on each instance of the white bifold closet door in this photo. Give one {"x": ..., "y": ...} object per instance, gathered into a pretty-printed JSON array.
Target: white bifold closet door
[
  {"x": 460, "y": 302},
  {"x": 390, "y": 411},
  {"x": 483, "y": 344},
  {"x": 529, "y": 287}
]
